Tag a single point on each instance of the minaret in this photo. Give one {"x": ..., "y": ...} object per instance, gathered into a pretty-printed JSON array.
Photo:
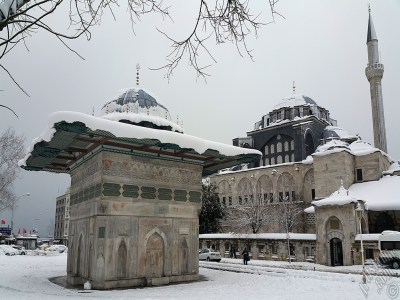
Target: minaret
[{"x": 374, "y": 73}]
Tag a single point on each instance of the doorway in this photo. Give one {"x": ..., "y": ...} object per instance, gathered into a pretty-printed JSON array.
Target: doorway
[{"x": 336, "y": 252}]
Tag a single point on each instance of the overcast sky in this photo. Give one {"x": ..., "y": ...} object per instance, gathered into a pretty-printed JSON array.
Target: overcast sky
[{"x": 321, "y": 45}]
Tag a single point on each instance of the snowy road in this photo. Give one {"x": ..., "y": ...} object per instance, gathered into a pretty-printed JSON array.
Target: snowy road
[{"x": 26, "y": 277}]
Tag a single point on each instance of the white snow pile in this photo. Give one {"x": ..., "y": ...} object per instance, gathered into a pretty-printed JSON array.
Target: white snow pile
[
  {"x": 379, "y": 195},
  {"x": 394, "y": 168},
  {"x": 123, "y": 130},
  {"x": 339, "y": 197},
  {"x": 255, "y": 236}
]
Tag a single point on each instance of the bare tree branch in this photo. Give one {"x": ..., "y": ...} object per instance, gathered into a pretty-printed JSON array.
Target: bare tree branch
[
  {"x": 11, "y": 150},
  {"x": 223, "y": 20}
]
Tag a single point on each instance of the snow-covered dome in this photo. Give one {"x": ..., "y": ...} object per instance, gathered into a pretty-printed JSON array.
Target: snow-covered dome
[
  {"x": 139, "y": 107},
  {"x": 295, "y": 100},
  {"x": 334, "y": 132}
]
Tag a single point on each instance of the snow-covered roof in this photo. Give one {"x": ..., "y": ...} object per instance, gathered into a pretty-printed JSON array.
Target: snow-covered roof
[
  {"x": 295, "y": 100},
  {"x": 256, "y": 236},
  {"x": 339, "y": 197},
  {"x": 48, "y": 146},
  {"x": 368, "y": 237},
  {"x": 337, "y": 132},
  {"x": 357, "y": 148},
  {"x": 379, "y": 195}
]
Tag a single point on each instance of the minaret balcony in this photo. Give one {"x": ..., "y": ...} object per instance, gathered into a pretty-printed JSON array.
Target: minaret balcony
[{"x": 374, "y": 70}]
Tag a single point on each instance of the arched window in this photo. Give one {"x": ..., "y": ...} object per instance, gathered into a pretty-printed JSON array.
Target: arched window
[
  {"x": 309, "y": 143},
  {"x": 279, "y": 147}
]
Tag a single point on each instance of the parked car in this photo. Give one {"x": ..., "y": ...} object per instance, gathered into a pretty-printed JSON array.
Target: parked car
[
  {"x": 21, "y": 250},
  {"x": 210, "y": 255},
  {"x": 8, "y": 250}
]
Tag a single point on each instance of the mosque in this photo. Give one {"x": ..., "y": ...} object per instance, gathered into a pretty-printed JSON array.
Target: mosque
[{"x": 335, "y": 188}]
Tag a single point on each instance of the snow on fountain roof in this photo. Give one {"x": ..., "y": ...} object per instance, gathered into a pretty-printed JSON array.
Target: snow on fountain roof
[{"x": 65, "y": 128}]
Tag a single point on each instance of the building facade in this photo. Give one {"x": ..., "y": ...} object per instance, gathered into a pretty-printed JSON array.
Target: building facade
[
  {"x": 61, "y": 220},
  {"x": 311, "y": 163}
]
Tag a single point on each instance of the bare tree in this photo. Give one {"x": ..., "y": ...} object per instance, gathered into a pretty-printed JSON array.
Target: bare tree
[
  {"x": 224, "y": 20},
  {"x": 251, "y": 211},
  {"x": 11, "y": 150},
  {"x": 289, "y": 216}
]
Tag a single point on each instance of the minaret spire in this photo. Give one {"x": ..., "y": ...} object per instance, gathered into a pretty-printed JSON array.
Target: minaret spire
[{"x": 374, "y": 73}]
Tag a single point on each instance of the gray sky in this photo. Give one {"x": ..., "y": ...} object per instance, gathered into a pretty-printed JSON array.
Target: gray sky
[{"x": 321, "y": 45}]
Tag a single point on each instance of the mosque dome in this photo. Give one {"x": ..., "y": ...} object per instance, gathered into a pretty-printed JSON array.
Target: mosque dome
[
  {"x": 139, "y": 107},
  {"x": 295, "y": 100}
]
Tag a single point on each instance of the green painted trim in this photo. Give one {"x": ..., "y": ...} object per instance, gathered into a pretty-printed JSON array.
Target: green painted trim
[
  {"x": 111, "y": 189},
  {"x": 148, "y": 192},
  {"x": 195, "y": 197},
  {"x": 131, "y": 191},
  {"x": 180, "y": 195},
  {"x": 164, "y": 194}
]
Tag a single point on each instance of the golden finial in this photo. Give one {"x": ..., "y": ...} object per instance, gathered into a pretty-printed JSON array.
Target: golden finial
[
  {"x": 137, "y": 74},
  {"x": 294, "y": 88},
  {"x": 177, "y": 119},
  {"x": 369, "y": 7},
  {"x": 93, "y": 111}
]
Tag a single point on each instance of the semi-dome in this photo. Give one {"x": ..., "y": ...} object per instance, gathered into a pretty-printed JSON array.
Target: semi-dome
[
  {"x": 139, "y": 107},
  {"x": 294, "y": 100}
]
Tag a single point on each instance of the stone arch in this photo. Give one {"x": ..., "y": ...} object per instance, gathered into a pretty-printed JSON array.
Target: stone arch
[
  {"x": 224, "y": 190},
  {"x": 309, "y": 186},
  {"x": 309, "y": 142},
  {"x": 245, "y": 190},
  {"x": 154, "y": 256},
  {"x": 278, "y": 145},
  {"x": 122, "y": 256},
  {"x": 264, "y": 188},
  {"x": 184, "y": 256},
  {"x": 335, "y": 239},
  {"x": 155, "y": 244},
  {"x": 285, "y": 187}
]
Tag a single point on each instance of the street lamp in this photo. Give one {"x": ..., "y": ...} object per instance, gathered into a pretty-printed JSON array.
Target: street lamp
[
  {"x": 275, "y": 172},
  {"x": 360, "y": 212},
  {"x": 13, "y": 206}
]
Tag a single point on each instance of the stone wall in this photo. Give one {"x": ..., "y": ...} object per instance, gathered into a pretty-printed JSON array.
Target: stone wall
[{"x": 134, "y": 221}]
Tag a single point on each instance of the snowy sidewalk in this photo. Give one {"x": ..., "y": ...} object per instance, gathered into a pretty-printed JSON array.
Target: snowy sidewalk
[{"x": 278, "y": 267}]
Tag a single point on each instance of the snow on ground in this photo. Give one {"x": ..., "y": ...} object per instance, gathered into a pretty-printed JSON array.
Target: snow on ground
[{"x": 26, "y": 277}]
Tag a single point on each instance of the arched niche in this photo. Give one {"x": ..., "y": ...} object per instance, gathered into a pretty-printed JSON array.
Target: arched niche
[
  {"x": 155, "y": 243},
  {"x": 122, "y": 260},
  {"x": 245, "y": 190},
  {"x": 285, "y": 187},
  {"x": 184, "y": 256},
  {"x": 264, "y": 188},
  {"x": 309, "y": 186}
]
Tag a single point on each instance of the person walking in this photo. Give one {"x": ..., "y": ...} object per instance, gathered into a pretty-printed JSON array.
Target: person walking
[{"x": 245, "y": 255}]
